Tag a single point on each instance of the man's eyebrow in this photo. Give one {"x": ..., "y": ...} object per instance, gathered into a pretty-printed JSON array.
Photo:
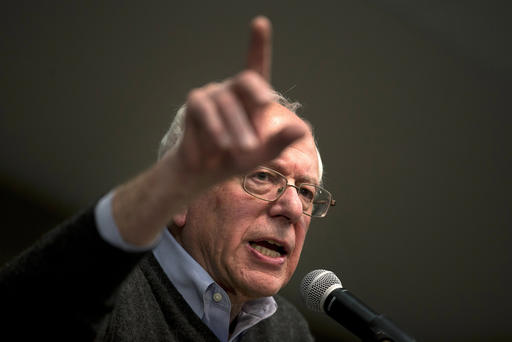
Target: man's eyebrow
[
  {"x": 299, "y": 180},
  {"x": 307, "y": 179}
]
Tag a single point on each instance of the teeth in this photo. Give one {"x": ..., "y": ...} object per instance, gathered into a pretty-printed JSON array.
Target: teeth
[
  {"x": 274, "y": 243},
  {"x": 267, "y": 252}
]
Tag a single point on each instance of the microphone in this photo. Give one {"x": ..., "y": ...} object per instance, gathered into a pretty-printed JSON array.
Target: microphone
[{"x": 322, "y": 291}]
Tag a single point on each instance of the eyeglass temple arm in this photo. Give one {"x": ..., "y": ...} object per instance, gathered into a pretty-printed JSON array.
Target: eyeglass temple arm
[{"x": 332, "y": 203}]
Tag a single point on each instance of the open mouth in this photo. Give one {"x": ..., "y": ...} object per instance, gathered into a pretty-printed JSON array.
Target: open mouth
[{"x": 268, "y": 248}]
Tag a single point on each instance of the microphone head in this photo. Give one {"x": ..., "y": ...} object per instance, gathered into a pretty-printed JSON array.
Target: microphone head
[{"x": 316, "y": 286}]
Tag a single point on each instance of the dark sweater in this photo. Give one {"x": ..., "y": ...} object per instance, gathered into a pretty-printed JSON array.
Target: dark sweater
[{"x": 72, "y": 285}]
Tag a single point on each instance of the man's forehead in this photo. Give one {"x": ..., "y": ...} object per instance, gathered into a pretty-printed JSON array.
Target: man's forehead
[{"x": 303, "y": 151}]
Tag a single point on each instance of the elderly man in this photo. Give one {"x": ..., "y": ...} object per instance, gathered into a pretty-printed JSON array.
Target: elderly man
[{"x": 194, "y": 248}]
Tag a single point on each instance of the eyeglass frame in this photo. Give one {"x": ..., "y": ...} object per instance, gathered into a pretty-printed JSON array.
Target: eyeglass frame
[{"x": 332, "y": 202}]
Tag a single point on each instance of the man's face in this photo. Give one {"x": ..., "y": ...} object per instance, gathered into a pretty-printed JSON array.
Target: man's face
[{"x": 230, "y": 232}]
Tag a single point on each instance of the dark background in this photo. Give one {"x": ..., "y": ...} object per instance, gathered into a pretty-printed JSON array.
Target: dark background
[{"x": 410, "y": 102}]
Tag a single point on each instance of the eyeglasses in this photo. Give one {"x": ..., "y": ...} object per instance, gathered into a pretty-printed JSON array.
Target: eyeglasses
[{"x": 268, "y": 185}]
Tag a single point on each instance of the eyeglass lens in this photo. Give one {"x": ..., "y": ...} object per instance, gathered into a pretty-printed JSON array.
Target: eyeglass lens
[{"x": 268, "y": 185}]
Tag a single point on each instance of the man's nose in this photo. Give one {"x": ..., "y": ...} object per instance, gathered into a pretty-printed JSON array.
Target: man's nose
[{"x": 288, "y": 205}]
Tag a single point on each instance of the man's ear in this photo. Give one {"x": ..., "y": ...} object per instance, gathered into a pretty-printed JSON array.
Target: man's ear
[{"x": 180, "y": 218}]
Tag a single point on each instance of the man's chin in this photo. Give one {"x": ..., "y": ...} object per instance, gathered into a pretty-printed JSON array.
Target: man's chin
[{"x": 262, "y": 285}]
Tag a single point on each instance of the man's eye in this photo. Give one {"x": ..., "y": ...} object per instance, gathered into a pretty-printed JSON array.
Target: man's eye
[
  {"x": 261, "y": 176},
  {"x": 307, "y": 193}
]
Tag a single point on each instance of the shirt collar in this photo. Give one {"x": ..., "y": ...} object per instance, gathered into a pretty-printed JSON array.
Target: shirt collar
[{"x": 189, "y": 278}]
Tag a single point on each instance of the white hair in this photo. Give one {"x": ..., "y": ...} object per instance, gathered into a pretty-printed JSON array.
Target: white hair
[{"x": 174, "y": 134}]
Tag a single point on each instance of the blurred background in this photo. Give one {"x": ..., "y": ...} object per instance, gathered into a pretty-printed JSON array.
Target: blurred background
[{"x": 411, "y": 106}]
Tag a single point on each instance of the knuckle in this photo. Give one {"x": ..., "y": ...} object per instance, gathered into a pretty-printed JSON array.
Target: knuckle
[
  {"x": 248, "y": 76},
  {"x": 195, "y": 96},
  {"x": 225, "y": 98},
  {"x": 229, "y": 104},
  {"x": 211, "y": 87}
]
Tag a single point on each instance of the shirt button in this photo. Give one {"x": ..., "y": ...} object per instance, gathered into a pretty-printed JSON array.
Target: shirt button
[{"x": 217, "y": 297}]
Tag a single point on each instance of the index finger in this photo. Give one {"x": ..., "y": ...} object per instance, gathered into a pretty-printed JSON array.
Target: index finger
[{"x": 260, "y": 47}]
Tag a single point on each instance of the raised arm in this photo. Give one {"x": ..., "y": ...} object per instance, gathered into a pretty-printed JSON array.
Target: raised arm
[{"x": 222, "y": 138}]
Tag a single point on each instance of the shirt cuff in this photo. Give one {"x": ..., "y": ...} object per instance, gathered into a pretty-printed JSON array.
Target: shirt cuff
[{"x": 109, "y": 231}]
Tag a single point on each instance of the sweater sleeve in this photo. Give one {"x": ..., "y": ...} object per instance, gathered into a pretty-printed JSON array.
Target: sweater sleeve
[{"x": 65, "y": 284}]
